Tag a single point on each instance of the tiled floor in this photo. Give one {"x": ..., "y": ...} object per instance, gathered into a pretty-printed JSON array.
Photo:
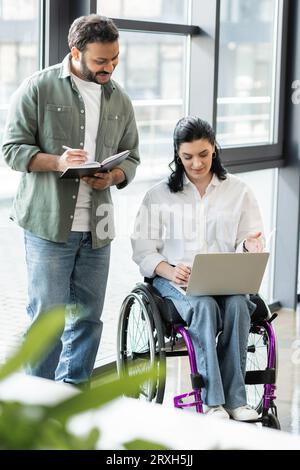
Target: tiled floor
[
  {"x": 288, "y": 392},
  {"x": 13, "y": 287}
]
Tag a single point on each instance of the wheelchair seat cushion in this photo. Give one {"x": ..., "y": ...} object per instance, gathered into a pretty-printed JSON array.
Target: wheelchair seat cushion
[{"x": 170, "y": 314}]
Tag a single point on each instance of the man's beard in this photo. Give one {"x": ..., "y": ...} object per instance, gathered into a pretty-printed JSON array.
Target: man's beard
[{"x": 87, "y": 74}]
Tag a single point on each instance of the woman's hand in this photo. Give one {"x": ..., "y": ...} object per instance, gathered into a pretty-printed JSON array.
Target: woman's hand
[
  {"x": 181, "y": 274},
  {"x": 178, "y": 274},
  {"x": 254, "y": 243}
]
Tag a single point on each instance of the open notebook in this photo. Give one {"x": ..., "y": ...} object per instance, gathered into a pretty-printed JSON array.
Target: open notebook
[{"x": 89, "y": 169}]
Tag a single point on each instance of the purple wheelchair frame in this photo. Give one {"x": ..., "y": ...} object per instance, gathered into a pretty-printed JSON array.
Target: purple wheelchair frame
[{"x": 269, "y": 388}]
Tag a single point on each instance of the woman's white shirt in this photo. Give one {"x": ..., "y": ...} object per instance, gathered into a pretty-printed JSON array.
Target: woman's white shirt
[{"x": 174, "y": 227}]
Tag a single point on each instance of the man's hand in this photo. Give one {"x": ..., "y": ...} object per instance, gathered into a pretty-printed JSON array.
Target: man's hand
[
  {"x": 181, "y": 274},
  {"x": 100, "y": 181},
  {"x": 71, "y": 158},
  {"x": 254, "y": 243}
]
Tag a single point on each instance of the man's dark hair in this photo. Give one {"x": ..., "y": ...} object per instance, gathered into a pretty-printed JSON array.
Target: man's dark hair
[
  {"x": 188, "y": 129},
  {"x": 91, "y": 28}
]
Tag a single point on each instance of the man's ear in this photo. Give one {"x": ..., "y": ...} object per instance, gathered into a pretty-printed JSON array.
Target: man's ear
[{"x": 75, "y": 53}]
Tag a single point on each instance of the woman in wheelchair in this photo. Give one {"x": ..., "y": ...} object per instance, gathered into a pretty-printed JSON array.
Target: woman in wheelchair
[{"x": 201, "y": 208}]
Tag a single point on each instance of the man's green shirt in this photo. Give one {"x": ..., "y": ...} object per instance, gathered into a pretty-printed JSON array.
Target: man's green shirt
[{"x": 46, "y": 112}]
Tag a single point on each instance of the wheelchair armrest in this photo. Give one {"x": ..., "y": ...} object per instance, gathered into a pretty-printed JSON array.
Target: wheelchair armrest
[
  {"x": 262, "y": 311},
  {"x": 167, "y": 309}
]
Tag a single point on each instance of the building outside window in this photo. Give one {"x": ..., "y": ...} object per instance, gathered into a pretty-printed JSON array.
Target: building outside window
[
  {"x": 152, "y": 71},
  {"x": 247, "y": 101},
  {"x": 169, "y": 11},
  {"x": 19, "y": 58},
  {"x": 247, "y": 65}
]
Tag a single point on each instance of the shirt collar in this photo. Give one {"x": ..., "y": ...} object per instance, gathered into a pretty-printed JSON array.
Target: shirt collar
[
  {"x": 214, "y": 181},
  {"x": 65, "y": 72}
]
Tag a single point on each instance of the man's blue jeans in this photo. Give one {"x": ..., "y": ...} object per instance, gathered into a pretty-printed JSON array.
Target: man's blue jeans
[
  {"x": 221, "y": 365},
  {"x": 74, "y": 275}
]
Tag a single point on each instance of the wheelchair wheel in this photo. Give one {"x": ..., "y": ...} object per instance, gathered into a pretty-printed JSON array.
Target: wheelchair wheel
[
  {"x": 141, "y": 343},
  {"x": 257, "y": 360}
]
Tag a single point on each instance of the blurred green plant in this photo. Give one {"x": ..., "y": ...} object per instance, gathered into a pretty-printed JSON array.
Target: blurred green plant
[{"x": 25, "y": 426}]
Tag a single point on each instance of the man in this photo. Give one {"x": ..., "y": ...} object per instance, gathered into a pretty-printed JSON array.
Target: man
[{"x": 74, "y": 104}]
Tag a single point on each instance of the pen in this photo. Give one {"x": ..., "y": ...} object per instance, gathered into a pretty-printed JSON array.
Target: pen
[{"x": 66, "y": 148}]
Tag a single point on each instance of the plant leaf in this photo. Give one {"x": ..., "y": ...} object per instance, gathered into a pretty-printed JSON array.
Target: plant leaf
[
  {"x": 39, "y": 338},
  {"x": 140, "y": 444}
]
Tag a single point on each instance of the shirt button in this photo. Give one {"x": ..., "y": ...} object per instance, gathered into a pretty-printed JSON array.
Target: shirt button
[
  {"x": 77, "y": 180},
  {"x": 74, "y": 197},
  {"x": 58, "y": 109},
  {"x": 82, "y": 111},
  {"x": 81, "y": 144},
  {"x": 71, "y": 216},
  {"x": 82, "y": 127}
]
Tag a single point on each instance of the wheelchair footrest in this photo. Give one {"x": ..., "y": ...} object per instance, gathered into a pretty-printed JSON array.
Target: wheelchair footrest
[
  {"x": 178, "y": 401},
  {"x": 255, "y": 377}
]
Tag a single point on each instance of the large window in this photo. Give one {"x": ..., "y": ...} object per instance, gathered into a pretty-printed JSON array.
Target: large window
[
  {"x": 19, "y": 58},
  {"x": 264, "y": 186},
  {"x": 247, "y": 65},
  {"x": 19, "y": 49},
  {"x": 152, "y": 71}
]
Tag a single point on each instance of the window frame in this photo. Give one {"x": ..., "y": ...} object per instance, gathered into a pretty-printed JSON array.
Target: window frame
[
  {"x": 248, "y": 157},
  {"x": 264, "y": 156}
]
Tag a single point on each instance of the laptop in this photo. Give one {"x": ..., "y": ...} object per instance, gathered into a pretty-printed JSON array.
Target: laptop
[{"x": 226, "y": 274}]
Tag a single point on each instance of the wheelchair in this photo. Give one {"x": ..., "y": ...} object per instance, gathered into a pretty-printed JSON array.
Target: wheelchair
[{"x": 150, "y": 329}]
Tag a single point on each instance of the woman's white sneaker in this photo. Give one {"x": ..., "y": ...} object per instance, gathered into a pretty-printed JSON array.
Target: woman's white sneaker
[
  {"x": 216, "y": 411},
  {"x": 243, "y": 413}
]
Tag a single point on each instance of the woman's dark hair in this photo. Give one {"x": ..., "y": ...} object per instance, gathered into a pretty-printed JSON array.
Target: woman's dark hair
[
  {"x": 188, "y": 129},
  {"x": 92, "y": 28}
]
